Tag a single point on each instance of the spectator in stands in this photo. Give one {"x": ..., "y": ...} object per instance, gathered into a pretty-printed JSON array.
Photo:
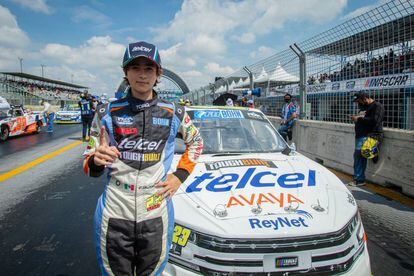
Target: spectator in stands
[
  {"x": 289, "y": 110},
  {"x": 49, "y": 114},
  {"x": 368, "y": 123}
]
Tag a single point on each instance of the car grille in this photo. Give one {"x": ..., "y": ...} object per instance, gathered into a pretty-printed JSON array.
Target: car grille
[
  {"x": 331, "y": 253},
  {"x": 275, "y": 245}
]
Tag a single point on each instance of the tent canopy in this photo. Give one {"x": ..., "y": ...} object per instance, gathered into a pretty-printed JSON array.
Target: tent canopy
[
  {"x": 263, "y": 76},
  {"x": 281, "y": 76}
]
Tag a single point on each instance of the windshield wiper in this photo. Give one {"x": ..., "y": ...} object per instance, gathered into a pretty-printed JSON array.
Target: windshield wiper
[{"x": 226, "y": 154}]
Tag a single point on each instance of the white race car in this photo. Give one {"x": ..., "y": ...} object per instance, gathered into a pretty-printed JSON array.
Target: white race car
[
  {"x": 69, "y": 114},
  {"x": 254, "y": 206},
  {"x": 18, "y": 121}
]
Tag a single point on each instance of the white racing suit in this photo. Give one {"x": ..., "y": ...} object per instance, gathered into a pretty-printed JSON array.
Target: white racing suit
[{"x": 133, "y": 226}]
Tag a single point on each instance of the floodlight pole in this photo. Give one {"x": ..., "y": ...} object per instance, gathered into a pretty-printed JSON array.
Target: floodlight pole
[
  {"x": 21, "y": 64},
  {"x": 302, "y": 75},
  {"x": 42, "y": 65}
]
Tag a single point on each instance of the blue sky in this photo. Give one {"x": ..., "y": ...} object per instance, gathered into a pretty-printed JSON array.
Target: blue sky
[{"x": 198, "y": 39}]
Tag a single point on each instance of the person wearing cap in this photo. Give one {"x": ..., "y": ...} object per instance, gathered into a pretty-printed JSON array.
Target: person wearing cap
[
  {"x": 133, "y": 138},
  {"x": 288, "y": 117},
  {"x": 368, "y": 123},
  {"x": 87, "y": 113}
]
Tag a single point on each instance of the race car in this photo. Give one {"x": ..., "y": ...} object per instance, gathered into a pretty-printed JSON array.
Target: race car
[
  {"x": 255, "y": 206},
  {"x": 69, "y": 114},
  {"x": 17, "y": 121}
]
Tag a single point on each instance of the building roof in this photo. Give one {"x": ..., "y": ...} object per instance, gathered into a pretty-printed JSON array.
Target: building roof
[
  {"x": 390, "y": 33},
  {"x": 34, "y": 77}
]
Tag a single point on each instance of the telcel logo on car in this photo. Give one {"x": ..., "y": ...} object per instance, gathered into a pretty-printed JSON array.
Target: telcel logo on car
[{"x": 229, "y": 181}]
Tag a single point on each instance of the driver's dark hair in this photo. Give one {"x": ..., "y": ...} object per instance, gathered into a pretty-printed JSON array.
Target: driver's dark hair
[{"x": 287, "y": 94}]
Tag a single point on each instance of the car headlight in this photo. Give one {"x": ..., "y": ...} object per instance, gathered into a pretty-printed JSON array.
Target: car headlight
[{"x": 180, "y": 238}]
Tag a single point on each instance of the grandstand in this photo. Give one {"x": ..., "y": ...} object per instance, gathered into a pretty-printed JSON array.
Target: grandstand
[
  {"x": 372, "y": 52},
  {"x": 22, "y": 88}
]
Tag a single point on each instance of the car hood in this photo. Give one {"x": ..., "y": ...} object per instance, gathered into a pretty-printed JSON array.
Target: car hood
[
  {"x": 258, "y": 195},
  {"x": 72, "y": 113}
]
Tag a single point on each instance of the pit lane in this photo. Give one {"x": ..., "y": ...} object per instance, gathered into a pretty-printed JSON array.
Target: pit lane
[{"x": 47, "y": 229}]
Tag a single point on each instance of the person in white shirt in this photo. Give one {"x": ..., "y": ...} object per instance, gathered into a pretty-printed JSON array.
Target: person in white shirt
[{"x": 49, "y": 114}]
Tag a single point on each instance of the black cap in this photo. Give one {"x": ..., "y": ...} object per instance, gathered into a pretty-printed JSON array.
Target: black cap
[{"x": 360, "y": 95}]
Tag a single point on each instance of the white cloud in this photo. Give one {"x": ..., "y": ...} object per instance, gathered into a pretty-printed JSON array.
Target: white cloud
[
  {"x": 35, "y": 5},
  {"x": 215, "y": 69},
  {"x": 362, "y": 10},
  {"x": 87, "y": 14},
  {"x": 191, "y": 74},
  {"x": 97, "y": 52},
  {"x": 13, "y": 40},
  {"x": 245, "y": 38},
  {"x": 205, "y": 29},
  {"x": 262, "y": 52}
]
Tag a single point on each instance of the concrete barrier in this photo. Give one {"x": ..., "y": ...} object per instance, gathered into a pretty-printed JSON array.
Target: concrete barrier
[{"x": 333, "y": 145}]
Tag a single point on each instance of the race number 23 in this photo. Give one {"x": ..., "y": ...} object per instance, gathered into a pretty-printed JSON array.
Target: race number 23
[{"x": 181, "y": 235}]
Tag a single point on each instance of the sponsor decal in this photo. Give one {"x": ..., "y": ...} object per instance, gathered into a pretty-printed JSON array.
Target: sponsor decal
[
  {"x": 94, "y": 133},
  {"x": 127, "y": 187},
  {"x": 91, "y": 144},
  {"x": 180, "y": 235},
  {"x": 102, "y": 110},
  {"x": 316, "y": 88},
  {"x": 142, "y": 106},
  {"x": 141, "y": 48},
  {"x": 218, "y": 114},
  {"x": 124, "y": 120},
  {"x": 254, "y": 115},
  {"x": 387, "y": 81},
  {"x": 350, "y": 84},
  {"x": 187, "y": 119},
  {"x": 235, "y": 181},
  {"x": 261, "y": 198},
  {"x": 336, "y": 86},
  {"x": 190, "y": 130},
  {"x": 141, "y": 144},
  {"x": 136, "y": 156},
  {"x": 153, "y": 202},
  {"x": 278, "y": 223},
  {"x": 239, "y": 163},
  {"x": 160, "y": 121},
  {"x": 286, "y": 262},
  {"x": 126, "y": 130},
  {"x": 351, "y": 199}
]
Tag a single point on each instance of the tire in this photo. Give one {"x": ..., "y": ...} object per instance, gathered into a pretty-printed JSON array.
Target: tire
[
  {"x": 4, "y": 134},
  {"x": 38, "y": 127}
]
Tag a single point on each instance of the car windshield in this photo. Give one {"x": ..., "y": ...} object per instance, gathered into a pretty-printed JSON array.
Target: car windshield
[
  {"x": 236, "y": 131},
  {"x": 70, "y": 108}
]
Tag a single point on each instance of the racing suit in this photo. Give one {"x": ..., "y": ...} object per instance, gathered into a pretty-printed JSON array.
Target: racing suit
[
  {"x": 133, "y": 226},
  {"x": 86, "y": 107}
]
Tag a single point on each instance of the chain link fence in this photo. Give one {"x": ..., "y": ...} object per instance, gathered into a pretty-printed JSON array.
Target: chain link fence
[{"x": 372, "y": 52}]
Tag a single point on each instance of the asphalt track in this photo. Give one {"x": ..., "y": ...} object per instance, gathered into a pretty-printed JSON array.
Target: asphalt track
[{"x": 46, "y": 213}]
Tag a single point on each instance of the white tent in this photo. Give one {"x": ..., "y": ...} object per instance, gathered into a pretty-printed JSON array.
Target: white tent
[
  {"x": 232, "y": 85},
  {"x": 239, "y": 83},
  {"x": 280, "y": 75},
  {"x": 263, "y": 76}
]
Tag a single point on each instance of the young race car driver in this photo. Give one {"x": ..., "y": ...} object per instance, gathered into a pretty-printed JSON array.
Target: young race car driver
[{"x": 134, "y": 138}]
